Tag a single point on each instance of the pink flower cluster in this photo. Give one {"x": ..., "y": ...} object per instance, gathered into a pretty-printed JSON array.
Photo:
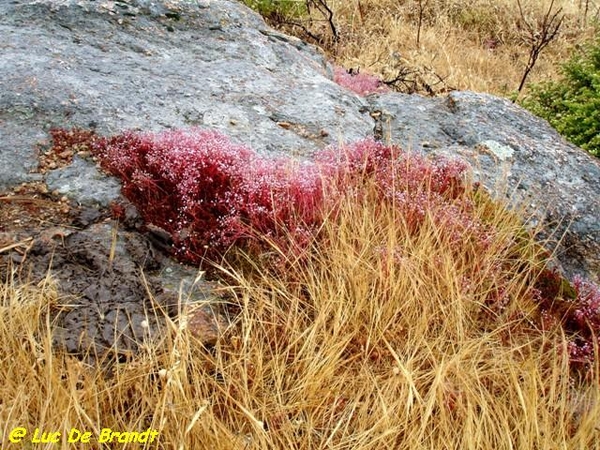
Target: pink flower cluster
[
  {"x": 360, "y": 83},
  {"x": 587, "y": 312},
  {"x": 416, "y": 186},
  {"x": 584, "y": 323},
  {"x": 575, "y": 307},
  {"x": 210, "y": 194}
]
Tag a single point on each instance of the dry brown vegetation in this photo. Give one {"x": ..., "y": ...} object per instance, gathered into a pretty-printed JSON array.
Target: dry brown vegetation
[
  {"x": 479, "y": 45},
  {"x": 345, "y": 350}
]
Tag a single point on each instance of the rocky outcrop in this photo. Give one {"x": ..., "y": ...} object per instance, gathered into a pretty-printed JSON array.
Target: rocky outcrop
[
  {"x": 116, "y": 65},
  {"x": 113, "y": 65},
  {"x": 107, "y": 309},
  {"x": 514, "y": 154}
]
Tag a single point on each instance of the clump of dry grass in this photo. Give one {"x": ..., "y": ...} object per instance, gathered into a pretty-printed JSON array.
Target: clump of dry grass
[
  {"x": 371, "y": 340},
  {"x": 435, "y": 45}
]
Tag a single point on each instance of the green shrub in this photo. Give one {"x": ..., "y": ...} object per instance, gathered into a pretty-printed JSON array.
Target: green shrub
[
  {"x": 572, "y": 105},
  {"x": 278, "y": 8}
]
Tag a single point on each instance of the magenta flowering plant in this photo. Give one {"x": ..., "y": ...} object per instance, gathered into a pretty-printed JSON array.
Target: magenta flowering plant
[
  {"x": 180, "y": 181},
  {"x": 211, "y": 194},
  {"x": 575, "y": 308},
  {"x": 587, "y": 310},
  {"x": 583, "y": 323},
  {"x": 208, "y": 192},
  {"x": 358, "y": 82}
]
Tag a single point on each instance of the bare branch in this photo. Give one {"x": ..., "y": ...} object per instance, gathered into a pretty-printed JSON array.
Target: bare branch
[
  {"x": 422, "y": 5},
  {"x": 539, "y": 36},
  {"x": 324, "y": 9}
]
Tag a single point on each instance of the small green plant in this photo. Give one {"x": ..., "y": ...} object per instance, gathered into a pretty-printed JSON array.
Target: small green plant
[
  {"x": 278, "y": 8},
  {"x": 572, "y": 105},
  {"x": 299, "y": 15}
]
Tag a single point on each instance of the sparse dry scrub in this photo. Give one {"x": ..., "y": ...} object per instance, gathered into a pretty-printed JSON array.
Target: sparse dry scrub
[
  {"x": 379, "y": 337},
  {"x": 436, "y": 45}
]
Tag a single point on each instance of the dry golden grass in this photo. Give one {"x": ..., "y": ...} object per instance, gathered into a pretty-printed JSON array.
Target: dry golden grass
[
  {"x": 344, "y": 350},
  {"x": 477, "y": 45}
]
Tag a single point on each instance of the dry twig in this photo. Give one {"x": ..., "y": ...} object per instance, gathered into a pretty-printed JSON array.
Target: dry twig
[{"x": 539, "y": 36}]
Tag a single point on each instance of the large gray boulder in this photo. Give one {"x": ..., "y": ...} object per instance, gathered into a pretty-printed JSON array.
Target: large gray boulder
[
  {"x": 116, "y": 65},
  {"x": 154, "y": 65},
  {"x": 514, "y": 154}
]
